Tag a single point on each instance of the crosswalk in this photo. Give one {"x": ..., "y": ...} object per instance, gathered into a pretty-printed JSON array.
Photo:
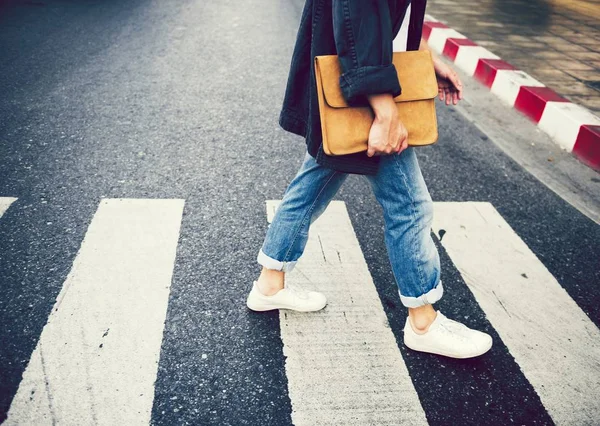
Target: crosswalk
[
  {"x": 97, "y": 357},
  {"x": 551, "y": 338}
]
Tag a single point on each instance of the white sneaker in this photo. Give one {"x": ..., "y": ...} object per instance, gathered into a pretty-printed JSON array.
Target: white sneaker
[
  {"x": 449, "y": 338},
  {"x": 288, "y": 298}
]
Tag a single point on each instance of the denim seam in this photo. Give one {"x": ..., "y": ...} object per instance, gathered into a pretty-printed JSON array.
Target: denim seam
[
  {"x": 310, "y": 209},
  {"x": 413, "y": 209},
  {"x": 317, "y": 15},
  {"x": 350, "y": 33}
]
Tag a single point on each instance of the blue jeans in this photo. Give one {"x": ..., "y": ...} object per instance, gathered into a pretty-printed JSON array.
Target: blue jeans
[{"x": 408, "y": 213}]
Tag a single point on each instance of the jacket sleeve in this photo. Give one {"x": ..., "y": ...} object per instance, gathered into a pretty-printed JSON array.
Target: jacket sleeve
[{"x": 363, "y": 39}]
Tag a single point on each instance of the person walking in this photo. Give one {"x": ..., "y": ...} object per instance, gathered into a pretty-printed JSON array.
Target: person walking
[{"x": 361, "y": 33}]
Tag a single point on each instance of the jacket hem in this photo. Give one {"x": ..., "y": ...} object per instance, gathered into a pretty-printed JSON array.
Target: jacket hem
[{"x": 290, "y": 121}]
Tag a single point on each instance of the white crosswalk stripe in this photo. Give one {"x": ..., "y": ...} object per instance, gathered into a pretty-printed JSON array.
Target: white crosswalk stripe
[
  {"x": 343, "y": 364},
  {"x": 552, "y": 339},
  {"x": 5, "y": 203},
  {"x": 97, "y": 357}
]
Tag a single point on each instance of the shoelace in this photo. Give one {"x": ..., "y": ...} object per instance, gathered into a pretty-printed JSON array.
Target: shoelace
[
  {"x": 454, "y": 328},
  {"x": 297, "y": 291}
]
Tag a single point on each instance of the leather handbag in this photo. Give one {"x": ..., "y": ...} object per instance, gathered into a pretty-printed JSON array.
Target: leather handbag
[{"x": 346, "y": 128}]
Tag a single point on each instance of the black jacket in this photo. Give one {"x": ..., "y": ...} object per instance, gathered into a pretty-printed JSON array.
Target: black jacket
[{"x": 361, "y": 33}]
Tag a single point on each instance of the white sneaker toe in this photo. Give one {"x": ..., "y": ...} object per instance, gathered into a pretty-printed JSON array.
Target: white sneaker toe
[
  {"x": 483, "y": 342},
  {"x": 317, "y": 300}
]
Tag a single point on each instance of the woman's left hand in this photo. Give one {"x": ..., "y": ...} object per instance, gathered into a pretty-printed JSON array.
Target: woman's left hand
[{"x": 449, "y": 85}]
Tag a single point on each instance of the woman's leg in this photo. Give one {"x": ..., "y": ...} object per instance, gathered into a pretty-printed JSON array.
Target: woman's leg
[
  {"x": 304, "y": 200},
  {"x": 408, "y": 212}
]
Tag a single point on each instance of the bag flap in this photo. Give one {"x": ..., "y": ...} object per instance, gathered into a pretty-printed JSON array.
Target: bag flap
[{"x": 414, "y": 68}]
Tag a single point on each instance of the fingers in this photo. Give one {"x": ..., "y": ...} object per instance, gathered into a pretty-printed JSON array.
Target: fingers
[
  {"x": 404, "y": 145},
  {"x": 446, "y": 94},
  {"x": 450, "y": 88},
  {"x": 371, "y": 151},
  {"x": 403, "y": 142},
  {"x": 450, "y": 95},
  {"x": 455, "y": 80},
  {"x": 386, "y": 140}
]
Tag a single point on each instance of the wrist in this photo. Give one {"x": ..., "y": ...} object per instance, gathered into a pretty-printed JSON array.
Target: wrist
[{"x": 383, "y": 106}]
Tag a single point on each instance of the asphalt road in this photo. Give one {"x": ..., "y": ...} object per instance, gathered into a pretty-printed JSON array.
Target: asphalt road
[{"x": 156, "y": 99}]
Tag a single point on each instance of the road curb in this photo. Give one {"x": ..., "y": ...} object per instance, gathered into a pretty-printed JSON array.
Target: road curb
[{"x": 573, "y": 127}]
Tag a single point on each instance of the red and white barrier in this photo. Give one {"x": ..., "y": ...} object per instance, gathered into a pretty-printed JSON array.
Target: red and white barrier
[{"x": 572, "y": 127}]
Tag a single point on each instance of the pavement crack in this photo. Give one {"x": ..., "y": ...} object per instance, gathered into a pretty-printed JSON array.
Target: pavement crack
[
  {"x": 88, "y": 378},
  {"x": 481, "y": 214},
  {"x": 47, "y": 385},
  {"x": 501, "y": 304},
  {"x": 322, "y": 250}
]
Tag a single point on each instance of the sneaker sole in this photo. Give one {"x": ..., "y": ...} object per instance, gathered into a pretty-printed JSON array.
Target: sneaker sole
[
  {"x": 257, "y": 308},
  {"x": 431, "y": 351},
  {"x": 265, "y": 308}
]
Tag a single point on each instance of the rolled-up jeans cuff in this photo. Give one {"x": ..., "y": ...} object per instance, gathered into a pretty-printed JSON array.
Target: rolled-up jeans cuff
[
  {"x": 276, "y": 265},
  {"x": 428, "y": 298}
]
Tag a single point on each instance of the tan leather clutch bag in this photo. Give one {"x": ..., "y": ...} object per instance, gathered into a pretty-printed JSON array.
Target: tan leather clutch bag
[{"x": 346, "y": 129}]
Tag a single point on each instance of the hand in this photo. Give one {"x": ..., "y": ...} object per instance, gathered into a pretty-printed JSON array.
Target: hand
[
  {"x": 449, "y": 85},
  {"x": 387, "y": 135}
]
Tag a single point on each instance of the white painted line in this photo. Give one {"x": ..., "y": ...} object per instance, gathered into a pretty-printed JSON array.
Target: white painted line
[
  {"x": 507, "y": 84},
  {"x": 429, "y": 18},
  {"x": 551, "y": 338},
  {"x": 438, "y": 37},
  {"x": 468, "y": 57},
  {"x": 97, "y": 358},
  {"x": 5, "y": 203},
  {"x": 562, "y": 120},
  {"x": 343, "y": 364}
]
